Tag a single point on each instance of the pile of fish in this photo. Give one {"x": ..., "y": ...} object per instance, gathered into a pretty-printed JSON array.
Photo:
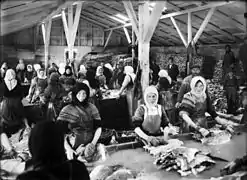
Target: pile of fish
[
  {"x": 216, "y": 137},
  {"x": 175, "y": 157},
  {"x": 113, "y": 172}
]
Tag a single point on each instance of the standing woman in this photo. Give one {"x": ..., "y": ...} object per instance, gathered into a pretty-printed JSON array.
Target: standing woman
[
  {"x": 101, "y": 77},
  {"x": 11, "y": 110},
  {"x": 128, "y": 86}
]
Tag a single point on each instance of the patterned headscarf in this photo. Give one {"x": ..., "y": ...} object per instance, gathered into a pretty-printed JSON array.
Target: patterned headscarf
[
  {"x": 202, "y": 96},
  {"x": 10, "y": 79}
]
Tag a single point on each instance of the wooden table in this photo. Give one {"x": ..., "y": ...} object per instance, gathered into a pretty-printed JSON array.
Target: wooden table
[{"x": 139, "y": 160}]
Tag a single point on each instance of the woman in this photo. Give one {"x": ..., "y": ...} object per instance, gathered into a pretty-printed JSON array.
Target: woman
[
  {"x": 163, "y": 73},
  {"x": 82, "y": 73},
  {"x": 46, "y": 145},
  {"x": 11, "y": 110},
  {"x": 101, "y": 78},
  {"x": 29, "y": 74},
  {"x": 83, "y": 120},
  {"x": 150, "y": 117},
  {"x": 68, "y": 74},
  {"x": 53, "y": 95},
  {"x": 127, "y": 86},
  {"x": 3, "y": 70},
  {"x": 194, "y": 106},
  {"x": 38, "y": 85},
  {"x": 20, "y": 71},
  {"x": 107, "y": 71}
]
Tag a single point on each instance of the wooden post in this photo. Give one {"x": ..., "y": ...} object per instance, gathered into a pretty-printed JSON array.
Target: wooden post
[
  {"x": 46, "y": 31},
  {"x": 246, "y": 16},
  {"x": 133, "y": 46},
  {"x": 143, "y": 47},
  {"x": 189, "y": 28},
  {"x": 179, "y": 32},
  {"x": 108, "y": 39},
  {"x": 189, "y": 47},
  {"x": 127, "y": 34}
]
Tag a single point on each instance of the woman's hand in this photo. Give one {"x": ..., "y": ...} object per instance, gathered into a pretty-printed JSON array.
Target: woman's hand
[
  {"x": 153, "y": 141},
  {"x": 70, "y": 153},
  {"x": 89, "y": 151},
  {"x": 204, "y": 132}
]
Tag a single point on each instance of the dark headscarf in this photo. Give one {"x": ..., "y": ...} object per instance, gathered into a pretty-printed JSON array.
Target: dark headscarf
[
  {"x": 54, "y": 78},
  {"x": 164, "y": 84},
  {"x": 65, "y": 73},
  {"x": 46, "y": 143},
  {"x": 78, "y": 87}
]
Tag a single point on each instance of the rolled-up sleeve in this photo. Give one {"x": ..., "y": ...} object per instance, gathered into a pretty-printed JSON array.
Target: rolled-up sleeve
[{"x": 138, "y": 117}]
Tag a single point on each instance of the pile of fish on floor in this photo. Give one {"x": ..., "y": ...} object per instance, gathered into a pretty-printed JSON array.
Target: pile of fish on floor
[
  {"x": 175, "y": 157},
  {"x": 216, "y": 137},
  {"x": 112, "y": 172}
]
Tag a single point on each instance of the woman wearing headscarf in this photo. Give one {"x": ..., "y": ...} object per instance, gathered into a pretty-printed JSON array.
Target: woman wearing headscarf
[
  {"x": 150, "y": 117},
  {"x": 164, "y": 74},
  {"x": 53, "y": 95},
  {"x": 194, "y": 106},
  {"x": 108, "y": 71},
  {"x": 11, "y": 110},
  {"x": 29, "y": 74},
  {"x": 38, "y": 85},
  {"x": 83, "y": 121},
  {"x": 20, "y": 71},
  {"x": 128, "y": 87},
  {"x": 49, "y": 161},
  {"x": 82, "y": 73},
  {"x": 67, "y": 74},
  {"x": 100, "y": 77},
  {"x": 3, "y": 70}
]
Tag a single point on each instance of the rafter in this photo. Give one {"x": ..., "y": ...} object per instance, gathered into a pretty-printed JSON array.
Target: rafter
[{"x": 179, "y": 32}]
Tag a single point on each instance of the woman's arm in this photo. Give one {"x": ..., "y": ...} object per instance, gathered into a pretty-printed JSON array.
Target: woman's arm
[
  {"x": 184, "y": 115},
  {"x": 124, "y": 84},
  {"x": 141, "y": 134},
  {"x": 97, "y": 135}
]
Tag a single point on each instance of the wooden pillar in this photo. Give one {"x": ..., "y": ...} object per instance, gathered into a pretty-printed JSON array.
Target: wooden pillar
[
  {"x": 143, "y": 47},
  {"x": 133, "y": 46},
  {"x": 46, "y": 31},
  {"x": 245, "y": 16}
]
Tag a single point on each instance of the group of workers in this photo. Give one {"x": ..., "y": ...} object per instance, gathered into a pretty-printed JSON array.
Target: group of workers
[{"x": 71, "y": 100}]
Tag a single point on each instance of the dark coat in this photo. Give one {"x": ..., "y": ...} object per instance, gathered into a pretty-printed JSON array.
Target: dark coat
[{"x": 173, "y": 71}]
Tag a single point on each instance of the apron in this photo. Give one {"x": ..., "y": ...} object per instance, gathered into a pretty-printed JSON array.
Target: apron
[{"x": 152, "y": 120}]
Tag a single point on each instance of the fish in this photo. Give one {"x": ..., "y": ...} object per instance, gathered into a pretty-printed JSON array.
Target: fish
[
  {"x": 101, "y": 172},
  {"x": 121, "y": 174}
]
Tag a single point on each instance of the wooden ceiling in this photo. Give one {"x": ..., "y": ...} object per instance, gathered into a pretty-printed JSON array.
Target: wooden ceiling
[{"x": 227, "y": 25}]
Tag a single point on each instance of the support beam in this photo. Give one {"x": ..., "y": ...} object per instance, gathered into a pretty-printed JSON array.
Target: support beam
[
  {"x": 76, "y": 20},
  {"x": 132, "y": 16},
  {"x": 65, "y": 26},
  {"x": 143, "y": 47},
  {"x": 210, "y": 5},
  {"x": 108, "y": 39},
  {"x": 64, "y": 4},
  {"x": 127, "y": 34},
  {"x": 179, "y": 32},
  {"x": 189, "y": 31},
  {"x": 46, "y": 31},
  {"x": 153, "y": 20},
  {"x": 246, "y": 17},
  {"x": 133, "y": 45},
  {"x": 204, "y": 24}
]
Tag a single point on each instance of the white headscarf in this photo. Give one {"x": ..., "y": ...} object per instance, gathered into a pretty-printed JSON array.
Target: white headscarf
[
  {"x": 20, "y": 65},
  {"x": 130, "y": 71},
  {"x": 61, "y": 68},
  {"x": 164, "y": 73},
  {"x": 98, "y": 70},
  {"x": 200, "y": 96},
  {"x": 39, "y": 75},
  {"x": 83, "y": 69},
  {"x": 109, "y": 66},
  {"x": 92, "y": 91},
  {"x": 29, "y": 68},
  {"x": 10, "y": 79},
  {"x": 151, "y": 89},
  {"x": 36, "y": 67}
]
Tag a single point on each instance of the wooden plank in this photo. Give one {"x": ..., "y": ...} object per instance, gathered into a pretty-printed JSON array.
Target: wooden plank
[
  {"x": 127, "y": 34},
  {"x": 108, "y": 38},
  {"x": 21, "y": 15},
  {"x": 153, "y": 20},
  {"x": 203, "y": 25},
  {"x": 65, "y": 26},
  {"x": 26, "y": 23},
  {"x": 62, "y": 5},
  {"x": 245, "y": 17},
  {"x": 132, "y": 16},
  {"x": 189, "y": 31},
  {"x": 26, "y": 7},
  {"x": 76, "y": 20},
  {"x": 215, "y": 4},
  {"x": 9, "y": 4},
  {"x": 179, "y": 32},
  {"x": 70, "y": 17}
]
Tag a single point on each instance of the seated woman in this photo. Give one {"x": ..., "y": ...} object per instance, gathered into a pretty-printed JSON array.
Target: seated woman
[
  {"x": 194, "y": 106},
  {"x": 46, "y": 145},
  {"x": 83, "y": 121},
  {"x": 12, "y": 117},
  {"x": 101, "y": 78},
  {"x": 150, "y": 118}
]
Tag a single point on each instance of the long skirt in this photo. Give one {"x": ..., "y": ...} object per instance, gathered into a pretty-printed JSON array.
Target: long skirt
[{"x": 232, "y": 100}]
